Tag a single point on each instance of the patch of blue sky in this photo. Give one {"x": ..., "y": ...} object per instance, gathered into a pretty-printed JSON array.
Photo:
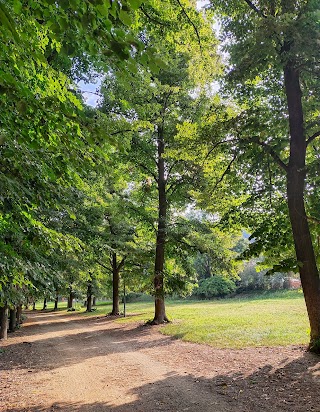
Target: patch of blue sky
[{"x": 90, "y": 92}]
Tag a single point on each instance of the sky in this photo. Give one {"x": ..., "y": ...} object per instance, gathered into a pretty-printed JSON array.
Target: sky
[{"x": 90, "y": 92}]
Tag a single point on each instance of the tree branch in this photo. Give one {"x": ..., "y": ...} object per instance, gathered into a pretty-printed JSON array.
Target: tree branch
[
  {"x": 121, "y": 131},
  {"x": 255, "y": 8},
  {"x": 226, "y": 171},
  {"x": 171, "y": 168},
  {"x": 193, "y": 25},
  {"x": 268, "y": 149},
  {"x": 313, "y": 219},
  {"x": 153, "y": 19},
  {"x": 218, "y": 144},
  {"x": 311, "y": 138},
  {"x": 121, "y": 264},
  {"x": 144, "y": 167},
  {"x": 103, "y": 265}
]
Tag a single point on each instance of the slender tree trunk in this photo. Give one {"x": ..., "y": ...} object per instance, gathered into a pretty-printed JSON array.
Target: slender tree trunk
[
  {"x": 33, "y": 305},
  {"x": 3, "y": 322},
  {"x": 56, "y": 301},
  {"x": 159, "y": 305},
  {"x": 115, "y": 286},
  {"x": 44, "y": 304},
  {"x": 12, "y": 319},
  {"x": 94, "y": 301},
  {"x": 19, "y": 314},
  {"x": 89, "y": 296},
  {"x": 295, "y": 191}
]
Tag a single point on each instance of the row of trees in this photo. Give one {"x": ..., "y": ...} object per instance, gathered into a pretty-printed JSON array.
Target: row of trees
[{"x": 191, "y": 141}]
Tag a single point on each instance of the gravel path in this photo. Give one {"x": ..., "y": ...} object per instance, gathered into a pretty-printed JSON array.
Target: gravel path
[{"x": 59, "y": 362}]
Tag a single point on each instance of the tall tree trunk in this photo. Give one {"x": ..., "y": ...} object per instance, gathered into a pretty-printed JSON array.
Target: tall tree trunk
[
  {"x": 295, "y": 191},
  {"x": 115, "y": 286},
  {"x": 89, "y": 296},
  {"x": 3, "y": 321},
  {"x": 94, "y": 301},
  {"x": 19, "y": 314},
  {"x": 44, "y": 304},
  {"x": 12, "y": 319},
  {"x": 159, "y": 305},
  {"x": 70, "y": 298},
  {"x": 56, "y": 301}
]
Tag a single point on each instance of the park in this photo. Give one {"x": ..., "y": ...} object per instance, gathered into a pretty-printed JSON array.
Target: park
[{"x": 159, "y": 205}]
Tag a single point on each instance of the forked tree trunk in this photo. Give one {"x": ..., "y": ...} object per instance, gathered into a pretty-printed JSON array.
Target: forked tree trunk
[
  {"x": 159, "y": 305},
  {"x": 3, "y": 322},
  {"x": 12, "y": 319},
  {"x": 89, "y": 296},
  {"x": 295, "y": 191}
]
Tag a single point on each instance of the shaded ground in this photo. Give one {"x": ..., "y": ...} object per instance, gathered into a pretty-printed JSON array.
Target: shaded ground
[{"x": 60, "y": 362}]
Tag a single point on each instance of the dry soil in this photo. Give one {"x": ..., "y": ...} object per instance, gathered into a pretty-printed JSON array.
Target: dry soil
[{"x": 59, "y": 362}]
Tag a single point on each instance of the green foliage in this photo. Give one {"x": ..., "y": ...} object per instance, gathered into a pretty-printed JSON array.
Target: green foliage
[
  {"x": 137, "y": 297},
  {"x": 215, "y": 286},
  {"x": 47, "y": 140}
]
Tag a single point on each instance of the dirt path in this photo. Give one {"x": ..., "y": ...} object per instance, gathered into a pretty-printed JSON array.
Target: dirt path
[{"x": 59, "y": 362}]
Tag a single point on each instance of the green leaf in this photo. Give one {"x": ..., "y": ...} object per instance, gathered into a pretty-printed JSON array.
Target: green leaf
[
  {"x": 17, "y": 6},
  {"x": 135, "y": 4},
  {"x": 125, "y": 18},
  {"x": 7, "y": 21}
]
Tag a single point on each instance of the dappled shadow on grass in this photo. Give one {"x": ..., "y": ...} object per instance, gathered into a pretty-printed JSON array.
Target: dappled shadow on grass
[{"x": 290, "y": 387}]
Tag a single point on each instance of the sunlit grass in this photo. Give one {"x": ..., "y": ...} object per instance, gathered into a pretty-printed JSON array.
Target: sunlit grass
[
  {"x": 265, "y": 320},
  {"x": 269, "y": 319},
  {"x": 237, "y": 324}
]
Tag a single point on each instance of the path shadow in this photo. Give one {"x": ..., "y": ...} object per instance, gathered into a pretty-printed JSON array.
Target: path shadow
[
  {"x": 43, "y": 323},
  {"x": 292, "y": 387},
  {"x": 72, "y": 347}
]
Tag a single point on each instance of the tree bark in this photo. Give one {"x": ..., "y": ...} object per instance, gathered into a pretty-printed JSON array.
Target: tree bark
[
  {"x": 115, "y": 284},
  {"x": 33, "y": 305},
  {"x": 295, "y": 191},
  {"x": 3, "y": 322},
  {"x": 12, "y": 319},
  {"x": 94, "y": 301},
  {"x": 19, "y": 314},
  {"x": 44, "y": 304},
  {"x": 56, "y": 301},
  {"x": 70, "y": 299},
  {"x": 159, "y": 305},
  {"x": 89, "y": 296}
]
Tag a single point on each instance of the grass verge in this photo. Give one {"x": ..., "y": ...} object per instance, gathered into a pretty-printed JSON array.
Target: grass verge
[{"x": 267, "y": 319}]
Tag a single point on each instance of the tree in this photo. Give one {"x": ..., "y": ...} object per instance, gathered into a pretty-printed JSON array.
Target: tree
[
  {"x": 46, "y": 47},
  {"x": 274, "y": 79}
]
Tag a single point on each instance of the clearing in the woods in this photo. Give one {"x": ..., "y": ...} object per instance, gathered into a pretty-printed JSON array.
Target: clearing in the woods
[{"x": 66, "y": 362}]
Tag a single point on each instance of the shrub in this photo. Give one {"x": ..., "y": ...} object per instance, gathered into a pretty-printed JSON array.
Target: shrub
[
  {"x": 215, "y": 286},
  {"x": 137, "y": 297}
]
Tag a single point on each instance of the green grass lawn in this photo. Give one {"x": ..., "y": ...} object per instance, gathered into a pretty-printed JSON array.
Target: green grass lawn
[{"x": 270, "y": 319}]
